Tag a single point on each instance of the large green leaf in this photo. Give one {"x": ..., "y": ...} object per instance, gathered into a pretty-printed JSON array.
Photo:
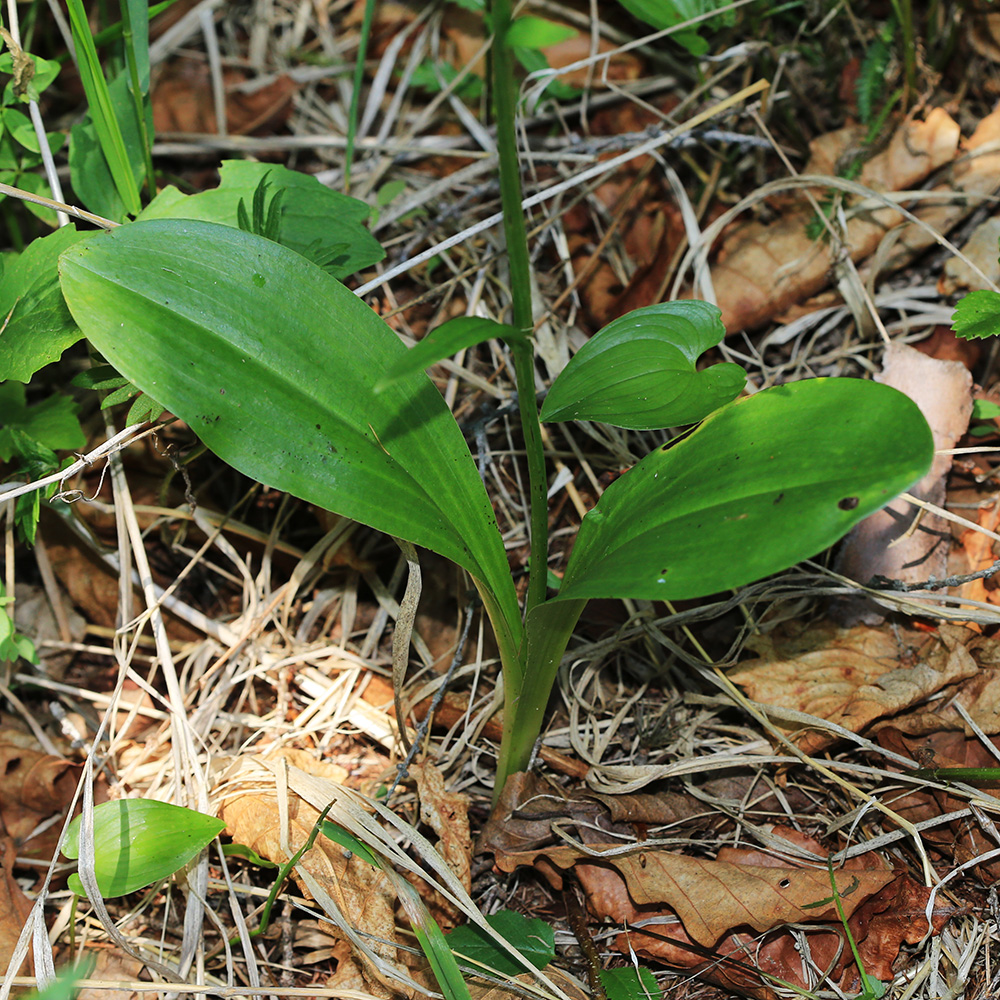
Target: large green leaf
[
  {"x": 324, "y": 225},
  {"x": 760, "y": 485},
  {"x": 272, "y": 362},
  {"x": 640, "y": 370}
]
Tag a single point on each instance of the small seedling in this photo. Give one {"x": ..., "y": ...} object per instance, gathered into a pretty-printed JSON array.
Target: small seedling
[{"x": 140, "y": 841}]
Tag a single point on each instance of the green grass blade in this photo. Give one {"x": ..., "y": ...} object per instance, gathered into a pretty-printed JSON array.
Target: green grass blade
[{"x": 106, "y": 125}]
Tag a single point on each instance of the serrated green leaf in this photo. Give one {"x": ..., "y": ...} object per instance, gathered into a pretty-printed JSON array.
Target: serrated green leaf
[
  {"x": 640, "y": 371},
  {"x": 532, "y": 937},
  {"x": 537, "y": 33},
  {"x": 444, "y": 341},
  {"x": 762, "y": 484},
  {"x": 272, "y": 362},
  {"x": 314, "y": 220},
  {"x": 38, "y": 325},
  {"x": 977, "y": 315},
  {"x": 140, "y": 841},
  {"x": 144, "y": 408},
  {"x": 121, "y": 395}
]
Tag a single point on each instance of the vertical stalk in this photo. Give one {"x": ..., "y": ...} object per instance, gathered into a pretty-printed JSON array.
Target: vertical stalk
[
  {"x": 359, "y": 76},
  {"x": 515, "y": 232},
  {"x": 131, "y": 39}
]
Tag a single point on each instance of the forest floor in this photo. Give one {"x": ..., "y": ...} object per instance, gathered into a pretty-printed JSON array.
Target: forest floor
[{"x": 717, "y": 753}]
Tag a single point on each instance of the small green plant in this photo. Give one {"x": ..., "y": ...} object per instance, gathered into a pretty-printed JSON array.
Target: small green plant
[
  {"x": 289, "y": 377},
  {"x": 140, "y": 841}
]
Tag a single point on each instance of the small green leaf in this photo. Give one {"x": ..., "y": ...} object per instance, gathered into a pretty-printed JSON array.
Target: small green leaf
[
  {"x": 762, "y": 484},
  {"x": 336, "y": 833},
  {"x": 140, "y": 841},
  {"x": 52, "y": 422},
  {"x": 244, "y": 851},
  {"x": 640, "y": 371},
  {"x": 628, "y": 983},
  {"x": 444, "y": 341},
  {"x": 666, "y": 13},
  {"x": 537, "y": 33},
  {"x": 532, "y": 937},
  {"x": 984, "y": 409},
  {"x": 977, "y": 315}
]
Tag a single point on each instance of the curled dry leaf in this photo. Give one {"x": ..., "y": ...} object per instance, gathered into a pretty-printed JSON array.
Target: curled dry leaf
[
  {"x": 884, "y": 543},
  {"x": 763, "y": 269},
  {"x": 447, "y": 814},
  {"x": 853, "y": 677}
]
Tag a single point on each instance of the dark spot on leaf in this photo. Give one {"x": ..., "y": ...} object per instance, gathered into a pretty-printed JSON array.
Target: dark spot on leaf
[
  {"x": 778, "y": 498},
  {"x": 848, "y": 503},
  {"x": 318, "y": 427},
  {"x": 222, "y": 392}
]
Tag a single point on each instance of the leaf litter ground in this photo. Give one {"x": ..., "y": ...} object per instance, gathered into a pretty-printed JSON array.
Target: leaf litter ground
[{"x": 714, "y": 800}]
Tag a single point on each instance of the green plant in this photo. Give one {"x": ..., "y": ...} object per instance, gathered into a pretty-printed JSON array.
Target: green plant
[
  {"x": 289, "y": 377},
  {"x": 138, "y": 842}
]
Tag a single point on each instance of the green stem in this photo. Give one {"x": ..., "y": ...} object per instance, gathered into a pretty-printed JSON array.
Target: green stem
[
  {"x": 130, "y": 40},
  {"x": 516, "y": 234},
  {"x": 904, "y": 13},
  {"x": 359, "y": 75}
]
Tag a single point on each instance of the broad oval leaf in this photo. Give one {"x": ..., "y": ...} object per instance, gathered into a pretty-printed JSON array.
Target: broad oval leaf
[
  {"x": 760, "y": 485},
  {"x": 140, "y": 841},
  {"x": 444, "y": 341},
  {"x": 640, "y": 371},
  {"x": 272, "y": 362}
]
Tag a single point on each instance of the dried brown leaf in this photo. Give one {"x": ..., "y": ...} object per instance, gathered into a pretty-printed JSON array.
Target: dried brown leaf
[
  {"x": 14, "y": 906},
  {"x": 884, "y": 543},
  {"x": 253, "y": 816},
  {"x": 852, "y": 676},
  {"x": 763, "y": 269}
]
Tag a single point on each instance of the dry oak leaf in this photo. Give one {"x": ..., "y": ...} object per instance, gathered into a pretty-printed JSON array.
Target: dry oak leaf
[
  {"x": 711, "y": 898},
  {"x": 764, "y": 269},
  {"x": 33, "y": 787},
  {"x": 14, "y": 906},
  {"x": 852, "y": 677},
  {"x": 248, "y": 792}
]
